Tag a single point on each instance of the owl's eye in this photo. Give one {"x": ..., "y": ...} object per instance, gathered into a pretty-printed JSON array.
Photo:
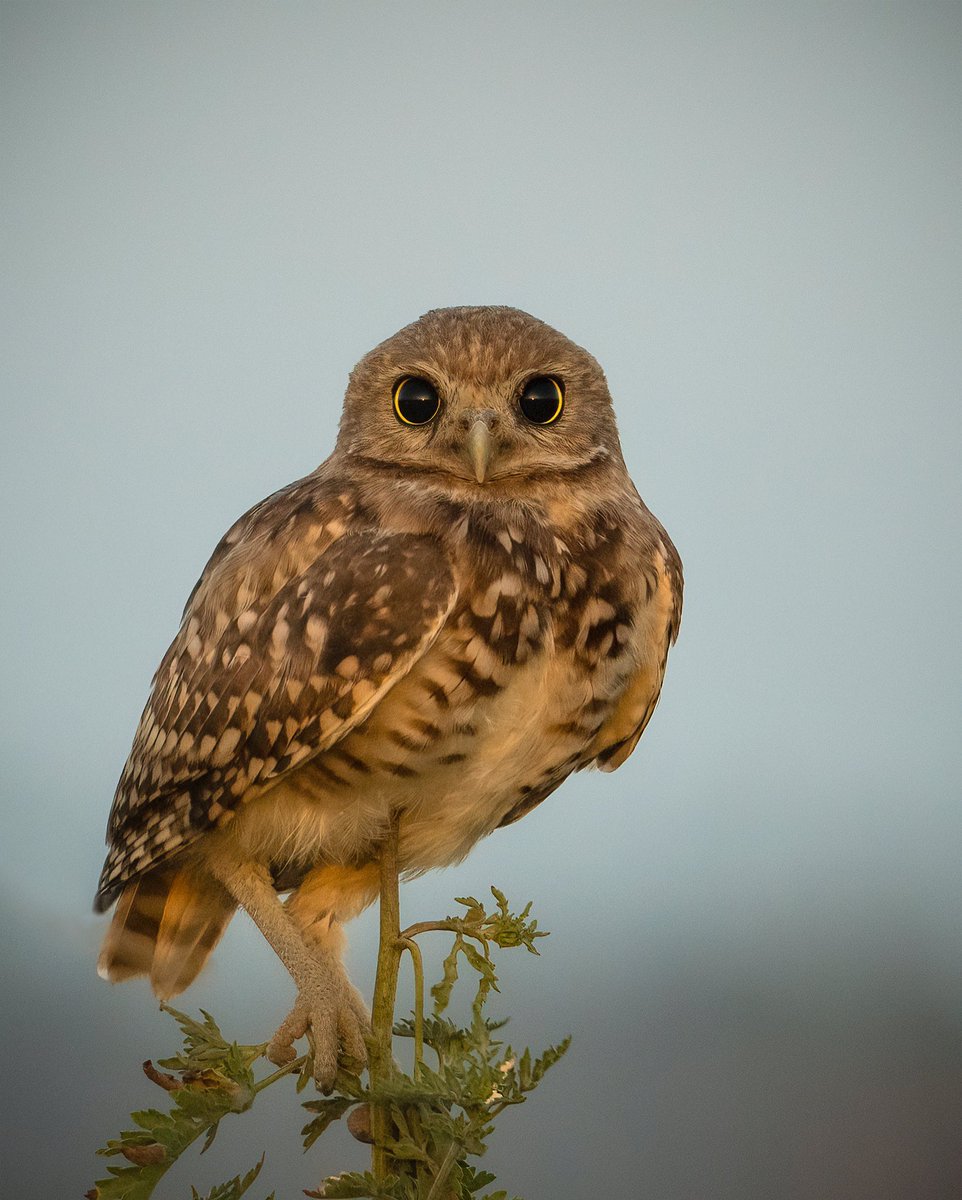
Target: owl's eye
[
  {"x": 416, "y": 400},
  {"x": 542, "y": 400}
]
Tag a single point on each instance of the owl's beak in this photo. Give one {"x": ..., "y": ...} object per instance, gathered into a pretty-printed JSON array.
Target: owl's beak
[{"x": 479, "y": 448}]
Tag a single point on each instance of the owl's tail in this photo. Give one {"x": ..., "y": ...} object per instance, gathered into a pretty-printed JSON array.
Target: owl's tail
[{"x": 165, "y": 926}]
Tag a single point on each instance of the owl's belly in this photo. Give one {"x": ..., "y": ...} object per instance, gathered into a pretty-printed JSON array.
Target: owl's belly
[
  {"x": 521, "y": 738},
  {"x": 451, "y": 760}
]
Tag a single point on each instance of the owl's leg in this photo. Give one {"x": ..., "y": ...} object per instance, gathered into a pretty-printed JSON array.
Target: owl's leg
[
  {"x": 324, "y": 939},
  {"x": 326, "y": 1001},
  {"x": 328, "y": 896}
]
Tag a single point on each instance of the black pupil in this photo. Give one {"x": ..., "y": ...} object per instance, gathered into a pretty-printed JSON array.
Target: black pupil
[
  {"x": 417, "y": 401},
  {"x": 539, "y": 400}
]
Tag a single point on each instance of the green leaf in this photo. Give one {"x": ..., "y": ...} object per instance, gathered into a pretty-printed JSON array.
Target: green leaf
[
  {"x": 306, "y": 1073},
  {"x": 440, "y": 1118},
  {"x": 548, "y": 1059},
  {"x": 524, "y": 1071},
  {"x": 488, "y": 979},
  {"x": 209, "y": 1139},
  {"x": 473, "y": 1180},
  {"x": 235, "y": 1188},
  {"x": 408, "y": 1151},
  {"x": 329, "y": 1111},
  {"x": 199, "y": 1099},
  {"x": 362, "y": 1184},
  {"x": 441, "y": 992},
  {"x": 507, "y": 929}
]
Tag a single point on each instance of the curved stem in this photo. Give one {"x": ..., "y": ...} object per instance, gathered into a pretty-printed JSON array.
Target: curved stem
[
  {"x": 451, "y": 926},
  {"x": 418, "y": 964}
]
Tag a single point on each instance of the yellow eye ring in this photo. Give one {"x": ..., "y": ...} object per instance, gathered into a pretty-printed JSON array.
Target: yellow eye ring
[
  {"x": 416, "y": 400},
  {"x": 542, "y": 400}
]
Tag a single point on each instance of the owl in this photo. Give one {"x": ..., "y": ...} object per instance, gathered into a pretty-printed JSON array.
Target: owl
[{"x": 467, "y": 602}]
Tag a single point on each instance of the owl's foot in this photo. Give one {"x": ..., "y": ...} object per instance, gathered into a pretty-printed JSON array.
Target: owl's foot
[{"x": 331, "y": 1009}]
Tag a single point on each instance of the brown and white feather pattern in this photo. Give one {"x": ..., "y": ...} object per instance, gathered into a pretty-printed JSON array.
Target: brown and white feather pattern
[
  {"x": 277, "y": 657},
  {"x": 387, "y": 635},
  {"x": 279, "y": 665}
]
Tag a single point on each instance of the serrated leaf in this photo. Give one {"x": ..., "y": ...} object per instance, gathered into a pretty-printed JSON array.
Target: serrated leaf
[
  {"x": 306, "y": 1073},
  {"x": 328, "y": 1111},
  {"x": 548, "y": 1059},
  {"x": 441, "y": 992},
  {"x": 234, "y": 1188},
  {"x": 433, "y": 1113},
  {"x": 481, "y": 964},
  {"x": 524, "y": 1070},
  {"x": 362, "y": 1184},
  {"x": 129, "y": 1183},
  {"x": 202, "y": 1097},
  {"x": 408, "y": 1151},
  {"x": 473, "y": 1180},
  {"x": 487, "y": 982},
  {"x": 209, "y": 1139}
]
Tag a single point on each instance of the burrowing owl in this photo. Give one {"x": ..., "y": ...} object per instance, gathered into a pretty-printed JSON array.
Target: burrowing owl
[{"x": 464, "y": 604}]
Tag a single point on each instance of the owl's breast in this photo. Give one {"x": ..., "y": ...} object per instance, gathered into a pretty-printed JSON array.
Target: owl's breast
[{"x": 503, "y": 706}]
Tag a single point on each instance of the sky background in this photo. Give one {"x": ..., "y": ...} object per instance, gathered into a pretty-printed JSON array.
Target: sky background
[{"x": 750, "y": 214}]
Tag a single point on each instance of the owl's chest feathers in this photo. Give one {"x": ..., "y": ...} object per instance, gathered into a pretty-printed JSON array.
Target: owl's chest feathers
[{"x": 500, "y": 710}]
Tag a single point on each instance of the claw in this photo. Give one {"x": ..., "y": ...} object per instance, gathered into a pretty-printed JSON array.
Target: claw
[
  {"x": 333, "y": 1014},
  {"x": 280, "y": 1049}
]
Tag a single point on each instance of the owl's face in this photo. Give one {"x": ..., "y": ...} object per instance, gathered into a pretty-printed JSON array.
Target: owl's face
[{"x": 485, "y": 396}]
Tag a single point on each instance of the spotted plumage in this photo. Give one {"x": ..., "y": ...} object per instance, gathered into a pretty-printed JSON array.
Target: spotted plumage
[{"x": 445, "y": 620}]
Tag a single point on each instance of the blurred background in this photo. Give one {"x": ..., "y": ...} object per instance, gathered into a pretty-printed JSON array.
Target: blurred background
[{"x": 750, "y": 214}]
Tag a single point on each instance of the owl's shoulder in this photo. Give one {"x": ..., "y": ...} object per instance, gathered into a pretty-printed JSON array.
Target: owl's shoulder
[{"x": 277, "y": 538}]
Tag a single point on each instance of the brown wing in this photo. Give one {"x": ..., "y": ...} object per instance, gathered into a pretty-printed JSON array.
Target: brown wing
[
  {"x": 262, "y": 677},
  {"x": 619, "y": 735}
]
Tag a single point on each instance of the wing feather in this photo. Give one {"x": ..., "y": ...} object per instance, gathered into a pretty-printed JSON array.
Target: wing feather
[
  {"x": 261, "y": 677},
  {"x": 620, "y": 734}
]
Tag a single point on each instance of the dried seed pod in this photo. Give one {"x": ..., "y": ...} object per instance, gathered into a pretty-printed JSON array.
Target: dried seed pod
[
  {"x": 144, "y": 1156},
  {"x": 170, "y": 1083},
  {"x": 359, "y": 1124}
]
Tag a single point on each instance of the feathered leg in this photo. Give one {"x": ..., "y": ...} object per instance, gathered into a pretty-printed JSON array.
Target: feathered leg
[
  {"x": 327, "y": 1001},
  {"x": 328, "y": 896}
]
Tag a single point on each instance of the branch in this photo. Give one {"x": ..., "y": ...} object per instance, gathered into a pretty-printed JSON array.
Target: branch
[{"x": 425, "y": 1128}]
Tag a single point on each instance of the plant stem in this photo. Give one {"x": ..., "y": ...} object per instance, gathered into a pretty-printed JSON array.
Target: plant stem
[
  {"x": 449, "y": 926},
  {"x": 380, "y": 1046},
  {"x": 444, "y": 1171},
  {"x": 418, "y": 964},
  {"x": 287, "y": 1069}
]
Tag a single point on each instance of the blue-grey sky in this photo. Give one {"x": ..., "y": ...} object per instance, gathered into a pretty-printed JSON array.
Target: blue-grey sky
[{"x": 749, "y": 213}]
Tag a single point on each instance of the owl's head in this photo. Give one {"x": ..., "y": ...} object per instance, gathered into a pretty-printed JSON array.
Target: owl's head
[{"x": 486, "y": 395}]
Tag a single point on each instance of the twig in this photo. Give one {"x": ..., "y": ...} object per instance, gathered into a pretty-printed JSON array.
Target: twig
[{"x": 287, "y": 1069}]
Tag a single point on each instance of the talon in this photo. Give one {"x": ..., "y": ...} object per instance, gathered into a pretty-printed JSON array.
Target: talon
[
  {"x": 333, "y": 1015},
  {"x": 280, "y": 1053},
  {"x": 352, "y": 1038},
  {"x": 325, "y": 1046},
  {"x": 280, "y": 1049}
]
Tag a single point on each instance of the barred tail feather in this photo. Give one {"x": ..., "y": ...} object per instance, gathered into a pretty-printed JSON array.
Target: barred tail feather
[
  {"x": 196, "y": 914},
  {"x": 165, "y": 925},
  {"x": 128, "y": 948}
]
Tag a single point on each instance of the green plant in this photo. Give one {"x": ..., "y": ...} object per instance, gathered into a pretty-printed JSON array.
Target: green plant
[{"x": 424, "y": 1127}]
